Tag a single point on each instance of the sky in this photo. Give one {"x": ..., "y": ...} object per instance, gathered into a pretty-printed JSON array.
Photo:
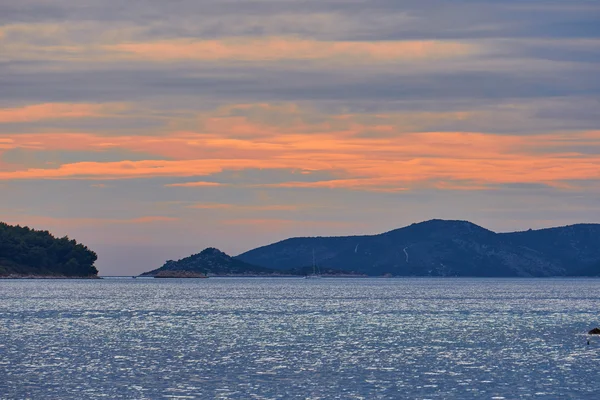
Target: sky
[{"x": 149, "y": 130}]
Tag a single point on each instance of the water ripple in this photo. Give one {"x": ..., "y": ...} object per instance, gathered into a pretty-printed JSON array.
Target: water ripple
[{"x": 291, "y": 338}]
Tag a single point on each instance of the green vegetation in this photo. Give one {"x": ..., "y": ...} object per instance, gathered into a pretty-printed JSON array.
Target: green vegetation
[
  {"x": 443, "y": 248},
  {"x": 25, "y": 251},
  {"x": 209, "y": 261},
  {"x": 213, "y": 262}
]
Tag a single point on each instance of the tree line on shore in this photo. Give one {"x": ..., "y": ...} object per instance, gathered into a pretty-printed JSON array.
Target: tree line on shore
[{"x": 26, "y": 251}]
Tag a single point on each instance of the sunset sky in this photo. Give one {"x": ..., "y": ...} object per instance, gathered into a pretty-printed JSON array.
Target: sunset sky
[{"x": 149, "y": 130}]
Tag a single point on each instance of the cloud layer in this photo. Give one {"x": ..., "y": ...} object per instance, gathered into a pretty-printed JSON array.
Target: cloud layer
[{"x": 267, "y": 119}]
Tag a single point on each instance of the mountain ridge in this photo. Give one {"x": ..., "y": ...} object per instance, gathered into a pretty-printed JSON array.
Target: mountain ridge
[
  {"x": 442, "y": 248},
  {"x": 213, "y": 262}
]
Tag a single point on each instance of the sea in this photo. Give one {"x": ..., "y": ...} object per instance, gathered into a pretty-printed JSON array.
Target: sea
[{"x": 284, "y": 338}]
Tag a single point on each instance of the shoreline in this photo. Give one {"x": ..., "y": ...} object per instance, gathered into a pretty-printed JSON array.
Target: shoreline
[
  {"x": 251, "y": 276},
  {"x": 62, "y": 277},
  {"x": 19, "y": 276}
]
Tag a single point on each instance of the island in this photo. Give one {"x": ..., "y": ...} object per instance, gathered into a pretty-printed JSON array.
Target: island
[
  {"x": 592, "y": 270},
  {"x": 30, "y": 253},
  {"x": 437, "y": 248},
  {"x": 179, "y": 274},
  {"x": 443, "y": 248},
  {"x": 214, "y": 262},
  {"x": 209, "y": 262}
]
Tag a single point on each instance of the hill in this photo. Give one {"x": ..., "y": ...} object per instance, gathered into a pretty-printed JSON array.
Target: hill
[
  {"x": 573, "y": 247},
  {"x": 208, "y": 262},
  {"x": 590, "y": 270},
  {"x": 442, "y": 248},
  {"x": 29, "y": 252}
]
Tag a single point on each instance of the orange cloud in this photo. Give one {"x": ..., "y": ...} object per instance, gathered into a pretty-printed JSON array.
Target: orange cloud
[
  {"x": 68, "y": 141},
  {"x": 38, "y": 112},
  {"x": 194, "y": 184},
  {"x": 133, "y": 169},
  {"x": 385, "y": 164},
  {"x": 369, "y": 184},
  {"x": 290, "y": 48},
  {"x": 288, "y": 137},
  {"x": 387, "y": 167},
  {"x": 6, "y": 143},
  {"x": 462, "y": 186}
]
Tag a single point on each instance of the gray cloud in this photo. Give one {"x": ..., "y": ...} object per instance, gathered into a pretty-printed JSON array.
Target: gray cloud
[
  {"x": 105, "y": 125},
  {"x": 260, "y": 83},
  {"x": 375, "y": 19},
  {"x": 530, "y": 51},
  {"x": 512, "y": 101},
  {"x": 44, "y": 159},
  {"x": 536, "y": 70}
]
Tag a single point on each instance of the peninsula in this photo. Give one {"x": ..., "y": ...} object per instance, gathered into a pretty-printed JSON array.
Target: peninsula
[
  {"x": 209, "y": 262},
  {"x": 30, "y": 253}
]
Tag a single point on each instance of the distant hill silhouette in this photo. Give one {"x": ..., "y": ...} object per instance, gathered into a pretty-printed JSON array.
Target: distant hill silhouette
[
  {"x": 29, "y": 252},
  {"x": 442, "y": 248},
  {"x": 592, "y": 270},
  {"x": 211, "y": 261}
]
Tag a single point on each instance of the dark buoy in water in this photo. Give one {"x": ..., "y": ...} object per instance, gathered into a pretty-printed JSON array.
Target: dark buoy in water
[{"x": 595, "y": 331}]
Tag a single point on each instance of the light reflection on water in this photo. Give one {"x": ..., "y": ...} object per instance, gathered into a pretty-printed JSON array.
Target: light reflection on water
[{"x": 294, "y": 338}]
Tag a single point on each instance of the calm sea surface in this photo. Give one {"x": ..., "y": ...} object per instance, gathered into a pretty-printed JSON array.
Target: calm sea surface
[{"x": 293, "y": 338}]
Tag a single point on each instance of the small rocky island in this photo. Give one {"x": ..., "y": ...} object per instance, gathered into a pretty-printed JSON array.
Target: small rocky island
[
  {"x": 209, "y": 262},
  {"x": 30, "y": 253}
]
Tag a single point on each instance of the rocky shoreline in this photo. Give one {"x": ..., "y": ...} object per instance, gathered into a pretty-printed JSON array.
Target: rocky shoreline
[
  {"x": 179, "y": 274},
  {"x": 18, "y": 276},
  {"x": 183, "y": 274}
]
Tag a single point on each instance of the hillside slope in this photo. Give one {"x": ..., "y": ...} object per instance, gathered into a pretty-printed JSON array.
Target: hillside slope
[
  {"x": 211, "y": 261},
  {"x": 25, "y": 251},
  {"x": 442, "y": 248}
]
